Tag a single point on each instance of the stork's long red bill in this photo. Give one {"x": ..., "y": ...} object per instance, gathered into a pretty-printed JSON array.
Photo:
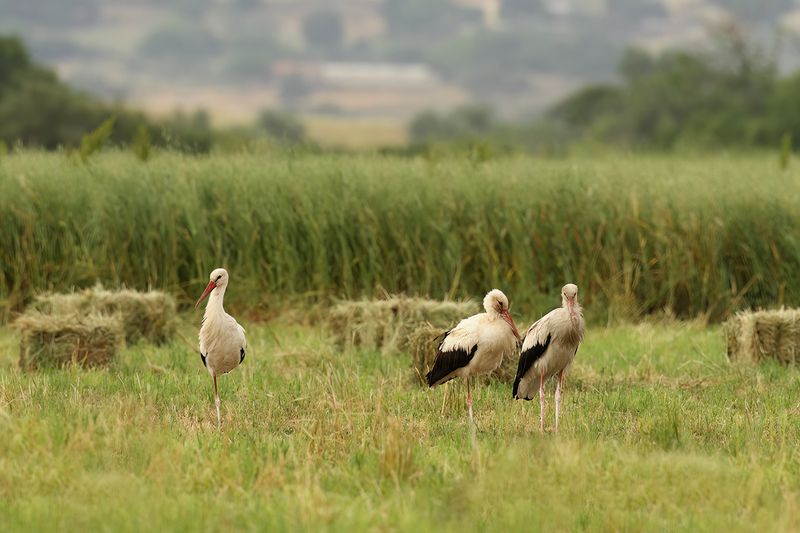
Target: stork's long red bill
[
  {"x": 507, "y": 318},
  {"x": 211, "y": 286}
]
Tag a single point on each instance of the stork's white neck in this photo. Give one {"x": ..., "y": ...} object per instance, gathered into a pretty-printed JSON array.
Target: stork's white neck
[
  {"x": 492, "y": 313},
  {"x": 214, "y": 306}
]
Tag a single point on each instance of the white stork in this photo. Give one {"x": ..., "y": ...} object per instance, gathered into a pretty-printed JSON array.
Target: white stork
[
  {"x": 476, "y": 345},
  {"x": 549, "y": 348},
  {"x": 222, "y": 341}
]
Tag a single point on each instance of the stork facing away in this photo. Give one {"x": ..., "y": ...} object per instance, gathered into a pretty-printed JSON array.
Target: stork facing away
[
  {"x": 222, "y": 341},
  {"x": 476, "y": 345},
  {"x": 549, "y": 348}
]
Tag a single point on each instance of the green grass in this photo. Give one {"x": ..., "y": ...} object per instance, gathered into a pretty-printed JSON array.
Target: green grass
[
  {"x": 659, "y": 432},
  {"x": 640, "y": 234}
]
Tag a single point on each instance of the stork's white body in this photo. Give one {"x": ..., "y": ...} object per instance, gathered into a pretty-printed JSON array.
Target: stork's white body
[
  {"x": 565, "y": 336},
  {"x": 489, "y": 335},
  {"x": 476, "y": 345},
  {"x": 550, "y": 346},
  {"x": 222, "y": 341}
]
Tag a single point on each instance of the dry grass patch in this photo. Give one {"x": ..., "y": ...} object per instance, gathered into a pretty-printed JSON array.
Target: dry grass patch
[
  {"x": 762, "y": 335},
  {"x": 58, "y": 340}
]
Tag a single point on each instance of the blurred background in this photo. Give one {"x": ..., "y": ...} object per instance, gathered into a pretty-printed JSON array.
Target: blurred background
[{"x": 532, "y": 75}]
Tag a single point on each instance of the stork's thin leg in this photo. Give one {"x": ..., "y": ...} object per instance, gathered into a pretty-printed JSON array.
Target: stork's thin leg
[
  {"x": 216, "y": 401},
  {"x": 541, "y": 402},
  {"x": 469, "y": 401},
  {"x": 558, "y": 395}
]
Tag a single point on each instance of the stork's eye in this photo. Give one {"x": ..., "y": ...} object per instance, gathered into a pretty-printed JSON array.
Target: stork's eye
[{"x": 219, "y": 277}]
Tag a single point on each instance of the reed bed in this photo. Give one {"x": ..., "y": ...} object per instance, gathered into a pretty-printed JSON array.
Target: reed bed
[
  {"x": 692, "y": 235},
  {"x": 754, "y": 337}
]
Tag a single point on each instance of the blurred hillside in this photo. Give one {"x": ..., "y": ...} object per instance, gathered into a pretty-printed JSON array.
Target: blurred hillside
[{"x": 367, "y": 58}]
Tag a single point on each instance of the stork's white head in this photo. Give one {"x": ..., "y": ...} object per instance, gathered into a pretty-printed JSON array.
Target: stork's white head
[
  {"x": 217, "y": 279},
  {"x": 496, "y": 305},
  {"x": 569, "y": 298}
]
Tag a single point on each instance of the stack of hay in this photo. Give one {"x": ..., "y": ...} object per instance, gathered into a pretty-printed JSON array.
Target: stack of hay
[
  {"x": 385, "y": 325},
  {"x": 89, "y": 327},
  {"x": 762, "y": 335},
  {"x": 398, "y": 324},
  {"x": 57, "y": 340}
]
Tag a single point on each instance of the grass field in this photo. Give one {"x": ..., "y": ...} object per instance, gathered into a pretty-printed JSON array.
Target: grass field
[
  {"x": 659, "y": 432},
  {"x": 694, "y": 235}
]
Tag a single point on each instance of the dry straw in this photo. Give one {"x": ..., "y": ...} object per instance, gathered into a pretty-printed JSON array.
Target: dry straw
[
  {"x": 763, "y": 335},
  {"x": 57, "y": 340},
  {"x": 386, "y": 324},
  {"x": 148, "y": 316}
]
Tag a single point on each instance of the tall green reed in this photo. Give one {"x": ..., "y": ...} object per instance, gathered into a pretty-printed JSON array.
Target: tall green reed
[{"x": 644, "y": 234}]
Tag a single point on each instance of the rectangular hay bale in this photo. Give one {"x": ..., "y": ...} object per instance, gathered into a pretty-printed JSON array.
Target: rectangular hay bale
[
  {"x": 148, "y": 316},
  {"x": 386, "y": 324},
  {"x": 756, "y": 336},
  {"x": 58, "y": 340}
]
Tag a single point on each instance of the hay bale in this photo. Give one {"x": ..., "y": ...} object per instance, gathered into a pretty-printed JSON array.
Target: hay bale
[
  {"x": 146, "y": 316},
  {"x": 423, "y": 343},
  {"x": 386, "y": 324},
  {"x": 56, "y": 340},
  {"x": 761, "y": 335}
]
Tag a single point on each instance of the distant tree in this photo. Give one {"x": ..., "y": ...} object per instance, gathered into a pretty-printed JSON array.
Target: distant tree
[
  {"x": 727, "y": 97},
  {"x": 284, "y": 127},
  {"x": 636, "y": 63},
  {"x": 294, "y": 89},
  {"x": 784, "y": 111},
  {"x": 187, "y": 132},
  {"x": 465, "y": 123},
  {"x": 588, "y": 105},
  {"x": 324, "y": 29},
  {"x": 14, "y": 60}
]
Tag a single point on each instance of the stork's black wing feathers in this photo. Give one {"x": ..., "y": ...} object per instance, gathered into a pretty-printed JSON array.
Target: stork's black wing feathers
[
  {"x": 203, "y": 358},
  {"x": 241, "y": 356},
  {"x": 526, "y": 360},
  {"x": 449, "y": 361}
]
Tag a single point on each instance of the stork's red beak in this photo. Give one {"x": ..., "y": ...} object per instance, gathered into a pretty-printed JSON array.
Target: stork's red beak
[
  {"x": 507, "y": 318},
  {"x": 211, "y": 286},
  {"x": 571, "y": 308}
]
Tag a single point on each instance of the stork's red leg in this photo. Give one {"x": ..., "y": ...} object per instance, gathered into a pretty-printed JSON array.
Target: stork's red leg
[
  {"x": 216, "y": 401},
  {"x": 558, "y": 395},
  {"x": 541, "y": 402},
  {"x": 469, "y": 400}
]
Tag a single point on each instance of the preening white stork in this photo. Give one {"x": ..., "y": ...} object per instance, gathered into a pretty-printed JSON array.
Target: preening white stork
[
  {"x": 222, "y": 341},
  {"x": 476, "y": 345},
  {"x": 549, "y": 348}
]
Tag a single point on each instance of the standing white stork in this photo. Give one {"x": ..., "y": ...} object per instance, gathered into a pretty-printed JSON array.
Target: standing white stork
[
  {"x": 222, "y": 341},
  {"x": 476, "y": 345},
  {"x": 549, "y": 348}
]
